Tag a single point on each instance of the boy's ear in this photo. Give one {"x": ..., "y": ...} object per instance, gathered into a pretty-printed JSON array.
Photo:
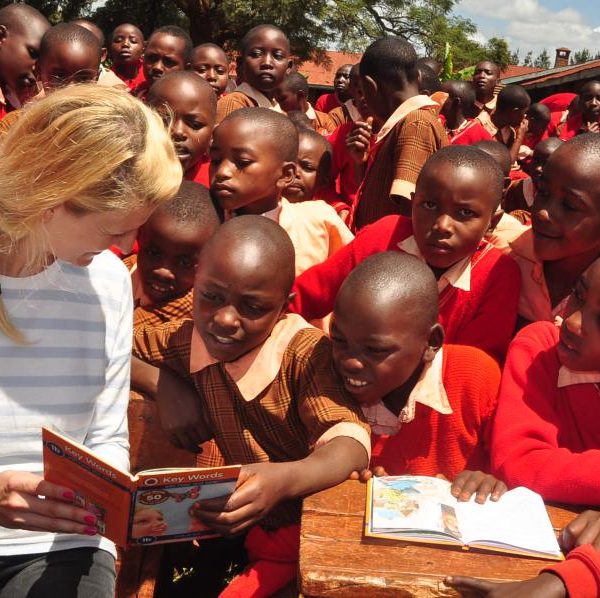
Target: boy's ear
[
  {"x": 290, "y": 67},
  {"x": 434, "y": 342},
  {"x": 288, "y": 174},
  {"x": 495, "y": 219},
  {"x": 103, "y": 55},
  {"x": 369, "y": 85},
  {"x": 3, "y": 34}
]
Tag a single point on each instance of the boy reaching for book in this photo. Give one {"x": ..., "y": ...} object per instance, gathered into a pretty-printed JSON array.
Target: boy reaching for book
[
  {"x": 268, "y": 394},
  {"x": 429, "y": 405}
]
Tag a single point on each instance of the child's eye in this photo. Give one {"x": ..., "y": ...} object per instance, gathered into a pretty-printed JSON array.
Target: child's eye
[
  {"x": 307, "y": 167},
  {"x": 255, "y": 53},
  {"x": 466, "y": 213},
  {"x": 241, "y": 163},
  {"x": 569, "y": 206},
  {"x": 254, "y": 309},
  {"x": 377, "y": 350},
  {"x": 195, "y": 125},
  {"x": 187, "y": 262},
  {"x": 215, "y": 161},
  {"x": 210, "y": 297},
  {"x": 221, "y": 71},
  {"x": 169, "y": 63},
  {"x": 576, "y": 292},
  {"x": 429, "y": 205},
  {"x": 336, "y": 340},
  {"x": 151, "y": 252}
]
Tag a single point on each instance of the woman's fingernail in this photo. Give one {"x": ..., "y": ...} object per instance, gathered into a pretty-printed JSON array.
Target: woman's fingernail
[
  {"x": 90, "y": 519},
  {"x": 90, "y": 531},
  {"x": 68, "y": 495}
]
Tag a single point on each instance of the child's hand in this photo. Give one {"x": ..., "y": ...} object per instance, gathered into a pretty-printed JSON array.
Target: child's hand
[
  {"x": 484, "y": 485},
  {"x": 260, "y": 487},
  {"x": 592, "y": 127},
  {"x": 584, "y": 529},
  {"x": 22, "y": 508},
  {"x": 366, "y": 474},
  {"x": 358, "y": 141},
  {"x": 545, "y": 585}
]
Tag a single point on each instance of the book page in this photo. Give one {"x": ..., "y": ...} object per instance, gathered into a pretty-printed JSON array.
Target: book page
[
  {"x": 422, "y": 506},
  {"x": 519, "y": 519}
]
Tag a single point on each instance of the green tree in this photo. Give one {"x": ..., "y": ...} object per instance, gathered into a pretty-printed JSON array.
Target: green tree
[
  {"x": 528, "y": 60},
  {"x": 581, "y": 56},
  {"x": 57, "y": 10},
  {"x": 542, "y": 60},
  {"x": 497, "y": 51}
]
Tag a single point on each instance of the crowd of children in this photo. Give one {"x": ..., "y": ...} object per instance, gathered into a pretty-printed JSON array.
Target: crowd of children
[{"x": 401, "y": 279}]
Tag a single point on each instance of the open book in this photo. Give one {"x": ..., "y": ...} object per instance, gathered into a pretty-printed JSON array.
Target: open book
[
  {"x": 152, "y": 507},
  {"x": 422, "y": 509}
]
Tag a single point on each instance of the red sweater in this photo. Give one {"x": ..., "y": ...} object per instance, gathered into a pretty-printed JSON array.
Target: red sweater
[
  {"x": 483, "y": 317},
  {"x": 342, "y": 166},
  {"x": 436, "y": 443},
  {"x": 546, "y": 438},
  {"x": 327, "y": 102},
  {"x": 136, "y": 81},
  {"x": 580, "y": 572},
  {"x": 471, "y": 134},
  {"x": 200, "y": 172}
]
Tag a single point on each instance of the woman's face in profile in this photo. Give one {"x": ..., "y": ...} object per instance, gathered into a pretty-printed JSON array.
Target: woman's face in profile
[{"x": 77, "y": 238}]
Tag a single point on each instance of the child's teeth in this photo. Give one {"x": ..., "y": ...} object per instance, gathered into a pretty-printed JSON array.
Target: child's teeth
[{"x": 354, "y": 382}]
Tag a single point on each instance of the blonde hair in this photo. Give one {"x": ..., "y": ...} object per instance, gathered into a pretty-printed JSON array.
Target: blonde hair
[{"x": 88, "y": 147}]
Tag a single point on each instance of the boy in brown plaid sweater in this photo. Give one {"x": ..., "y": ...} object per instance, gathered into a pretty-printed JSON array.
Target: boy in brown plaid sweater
[{"x": 266, "y": 391}]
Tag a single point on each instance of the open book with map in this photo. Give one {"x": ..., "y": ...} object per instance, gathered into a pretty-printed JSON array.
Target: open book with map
[{"x": 422, "y": 509}]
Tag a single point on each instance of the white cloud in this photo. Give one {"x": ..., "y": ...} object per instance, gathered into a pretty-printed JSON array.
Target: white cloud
[{"x": 528, "y": 25}]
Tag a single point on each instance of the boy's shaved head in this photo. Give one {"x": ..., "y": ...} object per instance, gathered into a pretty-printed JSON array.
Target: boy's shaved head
[
  {"x": 177, "y": 77},
  {"x": 549, "y": 145},
  {"x": 296, "y": 82},
  {"x": 463, "y": 90},
  {"x": 192, "y": 205},
  {"x": 587, "y": 147},
  {"x": 540, "y": 111},
  {"x": 513, "y": 96},
  {"x": 498, "y": 151},
  {"x": 178, "y": 32},
  {"x": 429, "y": 82},
  {"x": 69, "y": 33},
  {"x": 92, "y": 28},
  {"x": 390, "y": 58},
  {"x": 257, "y": 31},
  {"x": 17, "y": 17},
  {"x": 466, "y": 156},
  {"x": 274, "y": 125},
  {"x": 259, "y": 239},
  {"x": 393, "y": 280}
]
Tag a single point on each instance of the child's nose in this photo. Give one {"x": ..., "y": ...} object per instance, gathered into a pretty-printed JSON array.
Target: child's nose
[
  {"x": 227, "y": 318},
  {"x": 351, "y": 363},
  {"x": 164, "y": 273},
  {"x": 573, "y": 323},
  {"x": 443, "y": 223}
]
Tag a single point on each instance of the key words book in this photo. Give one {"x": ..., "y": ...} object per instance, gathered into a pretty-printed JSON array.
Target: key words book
[
  {"x": 152, "y": 507},
  {"x": 422, "y": 509}
]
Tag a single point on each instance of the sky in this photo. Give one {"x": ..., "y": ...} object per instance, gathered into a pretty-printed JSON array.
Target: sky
[{"x": 536, "y": 24}]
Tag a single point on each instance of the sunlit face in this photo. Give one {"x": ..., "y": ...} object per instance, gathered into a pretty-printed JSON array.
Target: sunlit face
[
  {"x": 246, "y": 171},
  {"x": 590, "y": 102},
  {"x": 266, "y": 60},
  {"x": 78, "y": 238},
  {"x": 68, "y": 63},
  {"x": 168, "y": 256},
  {"x": 212, "y": 65},
  {"x": 238, "y": 299},
  {"x": 341, "y": 81},
  {"x": 378, "y": 352},
  {"x": 565, "y": 215},
  {"x": 164, "y": 54},
  {"x": 127, "y": 45},
  {"x": 312, "y": 169},
  {"x": 579, "y": 344},
  {"x": 485, "y": 78},
  {"x": 19, "y": 52},
  {"x": 451, "y": 210},
  {"x": 193, "y": 119},
  {"x": 148, "y": 522}
]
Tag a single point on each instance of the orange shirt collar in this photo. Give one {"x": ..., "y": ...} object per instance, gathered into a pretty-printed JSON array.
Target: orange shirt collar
[
  {"x": 412, "y": 104},
  {"x": 255, "y": 370}
]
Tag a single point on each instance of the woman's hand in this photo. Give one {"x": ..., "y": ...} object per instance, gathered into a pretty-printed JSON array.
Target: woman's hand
[{"x": 22, "y": 508}]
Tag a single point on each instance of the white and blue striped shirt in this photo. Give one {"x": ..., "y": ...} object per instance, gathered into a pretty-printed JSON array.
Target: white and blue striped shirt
[{"x": 73, "y": 374}]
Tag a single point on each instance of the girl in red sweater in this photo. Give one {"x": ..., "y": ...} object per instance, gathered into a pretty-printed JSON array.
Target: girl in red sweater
[
  {"x": 457, "y": 194},
  {"x": 429, "y": 407},
  {"x": 546, "y": 435}
]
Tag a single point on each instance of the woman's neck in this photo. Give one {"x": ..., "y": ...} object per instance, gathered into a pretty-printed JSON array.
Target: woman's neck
[{"x": 14, "y": 262}]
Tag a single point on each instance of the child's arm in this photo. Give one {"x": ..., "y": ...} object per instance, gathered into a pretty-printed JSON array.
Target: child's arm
[
  {"x": 526, "y": 448},
  {"x": 578, "y": 575},
  {"x": 261, "y": 486}
]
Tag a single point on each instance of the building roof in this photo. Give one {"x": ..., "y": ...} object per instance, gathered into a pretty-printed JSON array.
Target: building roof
[
  {"x": 514, "y": 70},
  {"x": 322, "y": 74},
  {"x": 563, "y": 74}
]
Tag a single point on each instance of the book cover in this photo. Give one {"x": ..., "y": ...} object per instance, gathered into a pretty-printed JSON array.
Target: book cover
[{"x": 154, "y": 506}]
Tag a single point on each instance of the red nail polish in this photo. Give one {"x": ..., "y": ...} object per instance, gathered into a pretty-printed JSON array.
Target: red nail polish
[
  {"x": 90, "y": 519},
  {"x": 69, "y": 495},
  {"x": 90, "y": 531}
]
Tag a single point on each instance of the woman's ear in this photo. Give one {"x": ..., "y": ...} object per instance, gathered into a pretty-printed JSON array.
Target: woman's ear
[{"x": 434, "y": 342}]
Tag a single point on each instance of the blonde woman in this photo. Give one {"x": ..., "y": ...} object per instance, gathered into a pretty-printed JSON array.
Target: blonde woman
[{"x": 79, "y": 171}]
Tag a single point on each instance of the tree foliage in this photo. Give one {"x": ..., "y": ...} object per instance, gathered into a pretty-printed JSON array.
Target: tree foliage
[
  {"x": 542, "y": 60},
  {"x": 312, "y": 25}
]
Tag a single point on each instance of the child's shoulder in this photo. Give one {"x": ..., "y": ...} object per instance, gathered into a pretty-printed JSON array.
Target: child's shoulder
[
  {"x": 464, "y": 364},
  {"x": 537, "y": 337},
  {"x": 492, "y": 261},
  {"x": 392, "y": 227}
]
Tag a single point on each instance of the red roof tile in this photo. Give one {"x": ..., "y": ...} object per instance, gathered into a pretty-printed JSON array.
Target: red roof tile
[
  {"x": 514, "y": 70},
  {"x": 319, "y": 74}
]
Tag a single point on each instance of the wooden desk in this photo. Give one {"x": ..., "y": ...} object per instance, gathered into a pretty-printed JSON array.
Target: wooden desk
[{"x": 337, "y": 560}]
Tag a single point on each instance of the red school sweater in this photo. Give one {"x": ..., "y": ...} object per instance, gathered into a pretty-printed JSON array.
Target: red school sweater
[
  {"x": 544, "y": 437},
  {"x": 447, "y": 443},
  {"x": 580, "y": 572},
  {"x": 483, "y": 317}
]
